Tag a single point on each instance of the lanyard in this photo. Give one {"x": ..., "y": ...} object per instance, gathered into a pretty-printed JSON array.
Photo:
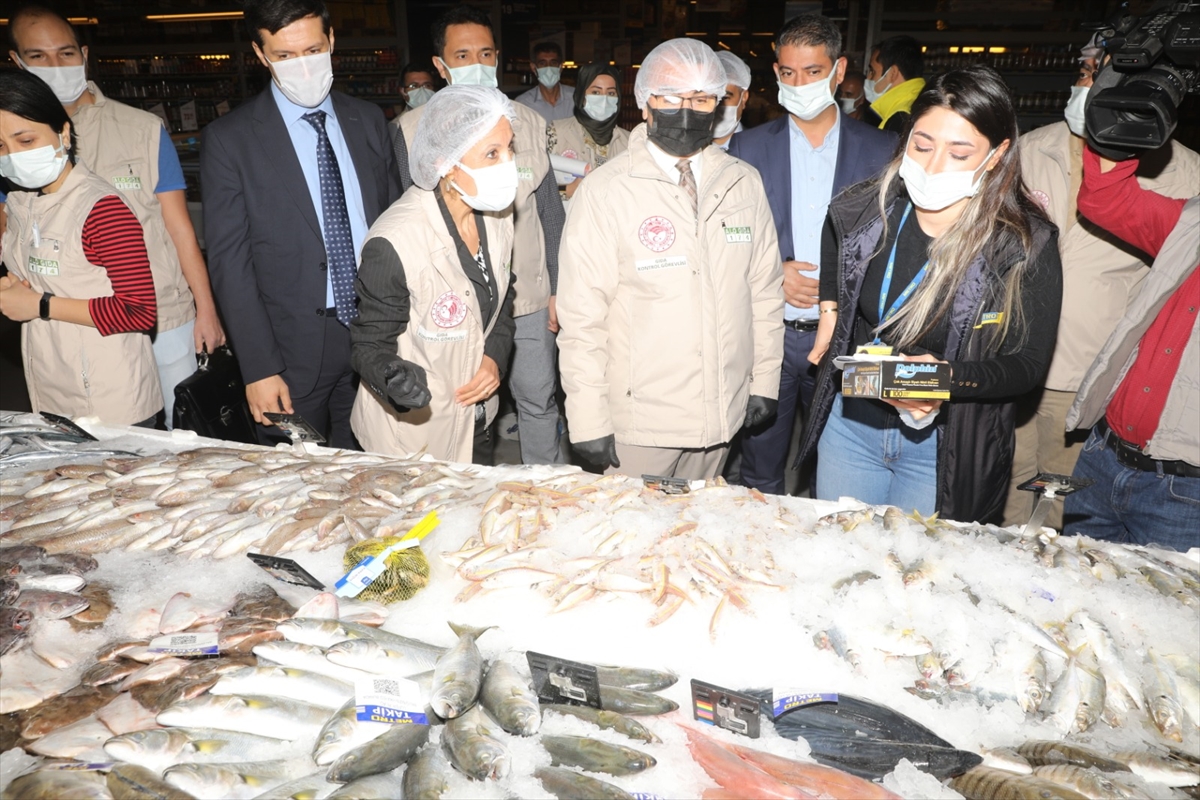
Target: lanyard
[{"x": 884, "y": 316}]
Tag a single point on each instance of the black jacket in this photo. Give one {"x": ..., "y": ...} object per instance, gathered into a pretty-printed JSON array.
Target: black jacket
[{"x": 975, "y": 437}]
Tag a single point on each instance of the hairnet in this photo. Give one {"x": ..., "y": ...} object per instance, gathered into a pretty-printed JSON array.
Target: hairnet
[
  {"x": 677, "y": 66},
  {"x": 736, "y": 70},
  {"x": 451, "y": 123}
]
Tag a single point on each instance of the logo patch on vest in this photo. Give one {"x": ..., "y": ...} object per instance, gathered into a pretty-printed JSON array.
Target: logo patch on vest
[
  {"x": 990, "y": 318},
  {"x": 657, "y": 234},
  {"x": 43, "y": 266},
  {"x": 525, "y": 173},
  {"x": 739, "y": 235},
  {"x": 127, "y": 183},
  {"x": 448, "y": 310}
]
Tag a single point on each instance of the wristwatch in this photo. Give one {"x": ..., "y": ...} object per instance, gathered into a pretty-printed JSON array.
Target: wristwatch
[{"x": 44, "y": 306}]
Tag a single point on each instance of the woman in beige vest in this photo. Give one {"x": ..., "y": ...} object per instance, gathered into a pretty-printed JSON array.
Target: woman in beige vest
[
  {"x": 592, "y": 134},
  {"x": 79, "y": 277},
  {"x": 435, "y": 326}
]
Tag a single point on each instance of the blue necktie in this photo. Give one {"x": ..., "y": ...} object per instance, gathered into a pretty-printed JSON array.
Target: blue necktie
[{"x": 339, "y": 243}]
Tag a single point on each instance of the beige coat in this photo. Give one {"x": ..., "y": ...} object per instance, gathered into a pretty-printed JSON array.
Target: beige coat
[
  {"x": 669, "y": 323},
  {"x": 450, "y": 355},
  {"x": 1101, "y": 274},
  {"x": 531, "y": 278},
  {"x": 566, "y": 137},
  {"x": 71, "y": 369},
  {"x": 120, "y": 144}
]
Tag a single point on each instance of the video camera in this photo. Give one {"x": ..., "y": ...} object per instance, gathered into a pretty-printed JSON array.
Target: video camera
[{"x": 1154, "y": 64}]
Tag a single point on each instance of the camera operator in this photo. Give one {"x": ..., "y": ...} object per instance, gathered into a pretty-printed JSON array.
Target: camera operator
[{"x": 1142, "y": 394}]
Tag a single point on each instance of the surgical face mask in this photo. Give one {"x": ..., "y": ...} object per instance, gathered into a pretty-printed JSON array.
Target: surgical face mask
[
  {"x": 682, "y": 132},
  {"x": 67, "y": 83},
  {"x": 472, "y": 75},
  {"x": 727, "y": 121},
  {"x": 849, "y": 104},
  {"x": 34, "y": 169},
  {"x": 871, "y": 90},
  {"x": 495, "y": 186},
  {"x": 419, "y": 96},
  {"x": 1074, "y": 110},
  {"x": 807, "y": 101},
  {"x": 305, "y": 80},
  {"x": 935, "y": 192},
  {"x": 549, "y": 76},
  {"x": 600, "y": 107}
]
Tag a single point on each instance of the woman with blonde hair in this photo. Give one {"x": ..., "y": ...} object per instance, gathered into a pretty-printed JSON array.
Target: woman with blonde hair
[{"x": 944, "y": 258}]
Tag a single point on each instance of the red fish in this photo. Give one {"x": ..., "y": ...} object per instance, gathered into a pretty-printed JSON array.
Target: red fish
[
  {"x": 736, "y": 776},
  {"x": 815, "y": 778}
]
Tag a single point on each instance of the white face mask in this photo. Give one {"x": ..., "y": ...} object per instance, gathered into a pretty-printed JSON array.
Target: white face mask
[
  {"x": 727, "y": 121},
  {"x": 472, "y": 75},
  {"x": 1074, "y": 110},
  {"x": 549, "y": 76},
  {"x": 67, "y": 83},
  {"x": 849, "y": 104},
  {"x": 870, "y": 87},
  {"x": 935, "y": 192},
  {"x": 495, "y": 186},
  {"x": 419, "y": 97},
  {"x": 305, "y": 80},
  {"x": 34, "y": 169},
  {"x": 600, "y": 106},
  {"x": 807, "y": 101}
]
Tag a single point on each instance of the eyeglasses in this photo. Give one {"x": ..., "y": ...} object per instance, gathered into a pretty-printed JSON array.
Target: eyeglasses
[
  {"x": 701, "y": 102},
  {"x": 419, "y": 85}
]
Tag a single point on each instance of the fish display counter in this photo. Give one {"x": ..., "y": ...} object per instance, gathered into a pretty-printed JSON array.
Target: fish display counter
[{"x": 183, "y": 617}]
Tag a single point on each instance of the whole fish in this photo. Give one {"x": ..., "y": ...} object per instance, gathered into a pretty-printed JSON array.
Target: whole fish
[
  {"x": 82, "y": 740},
  {"x": 328, "y": 632},
  {"x": 594, "y": 755},
  {"x": 65, "y": 582},
  {"x": 1163, "y": 699},
  {"x": 100, "y": 605},
  {"x": 1042, "y": 752},
  {"x": 56, "y": 784},
  {"x": 262, "y": 603},
  {"x": 458, "y": 674},
  {"x": 1087, "y": 782},
  {"x": 103, "y": 673},
  {"x": 131, "y": 782},
  {"x": 985, "y": 783},
  {"x": 265, "y": 716},
  {"x": 343, "y": 732},
  {"x": 307, "y": 787},
  {"x": 125, "y": 715},
  {"x": 45, "y": 604},
  {"x": 384, "y": 753},
  {"x": 1061, "y": 706},
  {"x": 644, "y": 680},
  {"x": 425, "y": 775},
  {"x": 1187, "y": 681},
  {"x": 507, "y": 697},
  {"x": 1091, "y": 698},
  {"x": 1007, "y": 759},
  {"x": 160, "y": 748},
  {"x": 567, "y": 784},
  {"x": 64, "y": 709},
  {"x": 373, "y": 787},
  {"x": 473, "y": 748},
  {"x": 1156, "y": 769},
  {"x": 608, "y": 720},
  {"x": 1117, "y": 678},
  {"x": 634, "y": 702},
  {"x": 307, "y": 657},
  {"x": 292, "y": 684},
  {"x": 370, "y": 655},
  {"x": 234, "y": 781}
]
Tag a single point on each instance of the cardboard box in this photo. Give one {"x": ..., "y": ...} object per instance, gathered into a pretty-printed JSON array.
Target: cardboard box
[{"x": 895, "y": 380}]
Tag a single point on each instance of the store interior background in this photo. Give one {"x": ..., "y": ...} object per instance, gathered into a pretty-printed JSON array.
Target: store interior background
[{"x": 190, "y": 60}]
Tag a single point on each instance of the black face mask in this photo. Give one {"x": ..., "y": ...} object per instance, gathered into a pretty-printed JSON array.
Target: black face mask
[{"x": 681, "y": 133}]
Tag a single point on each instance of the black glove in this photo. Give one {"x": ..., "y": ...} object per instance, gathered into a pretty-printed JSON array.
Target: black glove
[
  {"x": 406, "y": 384},
  {"x": 759, "y": 410},
  {"x": 602, "y": 452}
]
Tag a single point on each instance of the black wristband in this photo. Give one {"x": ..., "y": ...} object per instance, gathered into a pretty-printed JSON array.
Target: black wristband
[{"x": 44, "y": 306}]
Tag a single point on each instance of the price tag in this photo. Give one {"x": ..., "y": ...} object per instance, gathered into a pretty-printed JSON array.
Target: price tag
[
  {"x": 186, "y": 645},
  {"x": 666, "y": 485},
  {"x": 726, "y": 709},
  {"x": 286, "y": 570},
  {"x": 557, "y": 680},
  {"x": 295, "y": 427},
  {"x": 787, "y": 700},
  {"x": 393, "y": 701},
  {"x": 187, "y": 116}
]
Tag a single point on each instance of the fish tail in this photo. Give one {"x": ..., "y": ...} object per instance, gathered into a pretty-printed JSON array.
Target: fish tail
[{"x": 467, "y": 630}]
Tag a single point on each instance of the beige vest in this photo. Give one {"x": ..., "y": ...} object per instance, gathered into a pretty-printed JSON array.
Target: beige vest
[
  {"x": 532, "y": 280},
  {"x": 120, "y": 144},
  {"x": 445, "y": 334},
  {"x": 566, "y": 137},
  {"x": 71, "y": 369}
]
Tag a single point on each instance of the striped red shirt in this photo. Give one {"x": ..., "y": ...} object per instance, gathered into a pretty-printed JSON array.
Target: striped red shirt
[{"x": 113, "y": 239}]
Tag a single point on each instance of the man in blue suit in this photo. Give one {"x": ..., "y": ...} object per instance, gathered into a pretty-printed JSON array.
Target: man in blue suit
[{"x": 805, "y": 159}]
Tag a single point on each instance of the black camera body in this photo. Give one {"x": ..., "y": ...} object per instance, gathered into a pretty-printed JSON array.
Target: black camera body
[{"x": 1154, "y": 64}]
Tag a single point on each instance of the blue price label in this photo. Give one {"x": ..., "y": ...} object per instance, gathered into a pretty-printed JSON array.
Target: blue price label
[{"x": 788, "y": 702}]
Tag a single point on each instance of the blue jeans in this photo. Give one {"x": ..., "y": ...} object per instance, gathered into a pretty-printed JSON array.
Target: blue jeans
[
  {"x": 764, "y": 452},
  {"x": 866, "y": 452},
  {"x": 1131, "y": 505}
]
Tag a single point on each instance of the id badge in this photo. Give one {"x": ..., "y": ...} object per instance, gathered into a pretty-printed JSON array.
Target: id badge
[{"x": 874, "y": 350}]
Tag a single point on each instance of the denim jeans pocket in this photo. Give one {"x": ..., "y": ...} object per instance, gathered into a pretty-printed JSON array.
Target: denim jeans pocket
[
  {"x": 1183, "y": 489},
  {"x": 1094, "y": 442}
]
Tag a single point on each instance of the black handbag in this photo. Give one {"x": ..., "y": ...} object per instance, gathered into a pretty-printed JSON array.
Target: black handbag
[{"x": 212, "y": 401}]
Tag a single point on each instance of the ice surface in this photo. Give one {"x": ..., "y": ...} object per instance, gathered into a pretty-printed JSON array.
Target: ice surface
[{"x": 908, "y": 781}]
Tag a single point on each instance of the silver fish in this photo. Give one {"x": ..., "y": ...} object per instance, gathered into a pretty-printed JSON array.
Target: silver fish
[
  {"x": 458, "y": 674},
  {"x": 235, "y": 781},
  {"x": 1156, "y": 769},
  {"x": 131, "y": 782},
  {"x": 374, "y": 787},
  {"x": 292, "y": 684},
  {"x": 55, "y": 784},
  {"x": 471, "y": 744},
  {"x": 307, "y": 657},
  {"x": 384, "y": 753},
  {"x": 1163, "y": 699},
  {"x": 594, "y": 755},
  {"x": 44, "y": 604},
  {"x": 160, "y": 748},
  {"x": 265, "y": 716},
  {"x": 567, "y": 784},
  {"x": 425, "y": 775},
  {"x": 507, "y": 697},
  {"x": 343, "y": 732},
  {"x": 374, "y": 656}
]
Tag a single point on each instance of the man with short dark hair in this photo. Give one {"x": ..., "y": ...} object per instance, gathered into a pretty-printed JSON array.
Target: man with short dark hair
[
  {"x": 805, "y": 158},
  {"x": 132, "y": 150},
  {"x": 894, "y": 79},
  {"x": 851, "y": 96},
  {"x": 293, "y": 178},
  {"x": 417, "y": 85},
  {"x": 549, "y": 98}
]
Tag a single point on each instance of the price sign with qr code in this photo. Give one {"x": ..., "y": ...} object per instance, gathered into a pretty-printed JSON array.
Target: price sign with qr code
[
  {"x": 394, "y": 701},
  {"x": 186, "y": 645}
]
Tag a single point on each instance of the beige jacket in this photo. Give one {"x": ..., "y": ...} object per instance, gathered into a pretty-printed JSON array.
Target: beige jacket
[
  {"x": 669, "y": 322},
  {"x": 445, "y": 334},
  {"x": 120, "y": 144},
  {"x": 71, "y": 369},
  {"x": 566, "y": 137},
  {"x": 1101, "y": 274},
  {"x": 531, "y": 278}
]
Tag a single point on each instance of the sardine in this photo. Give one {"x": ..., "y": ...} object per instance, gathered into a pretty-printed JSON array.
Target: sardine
[
  {"x": 1163, "y": 699},
  {"x": 384, "y": 753},
  {"x": 470, "y": 742},
  {"x": 567, "y": 784},
  {"x": 507, "y": 697},
  {"x": 594, "y": 755},
  {"x": 608, "y": 720},
  {"x": 458, "y": 674}
]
